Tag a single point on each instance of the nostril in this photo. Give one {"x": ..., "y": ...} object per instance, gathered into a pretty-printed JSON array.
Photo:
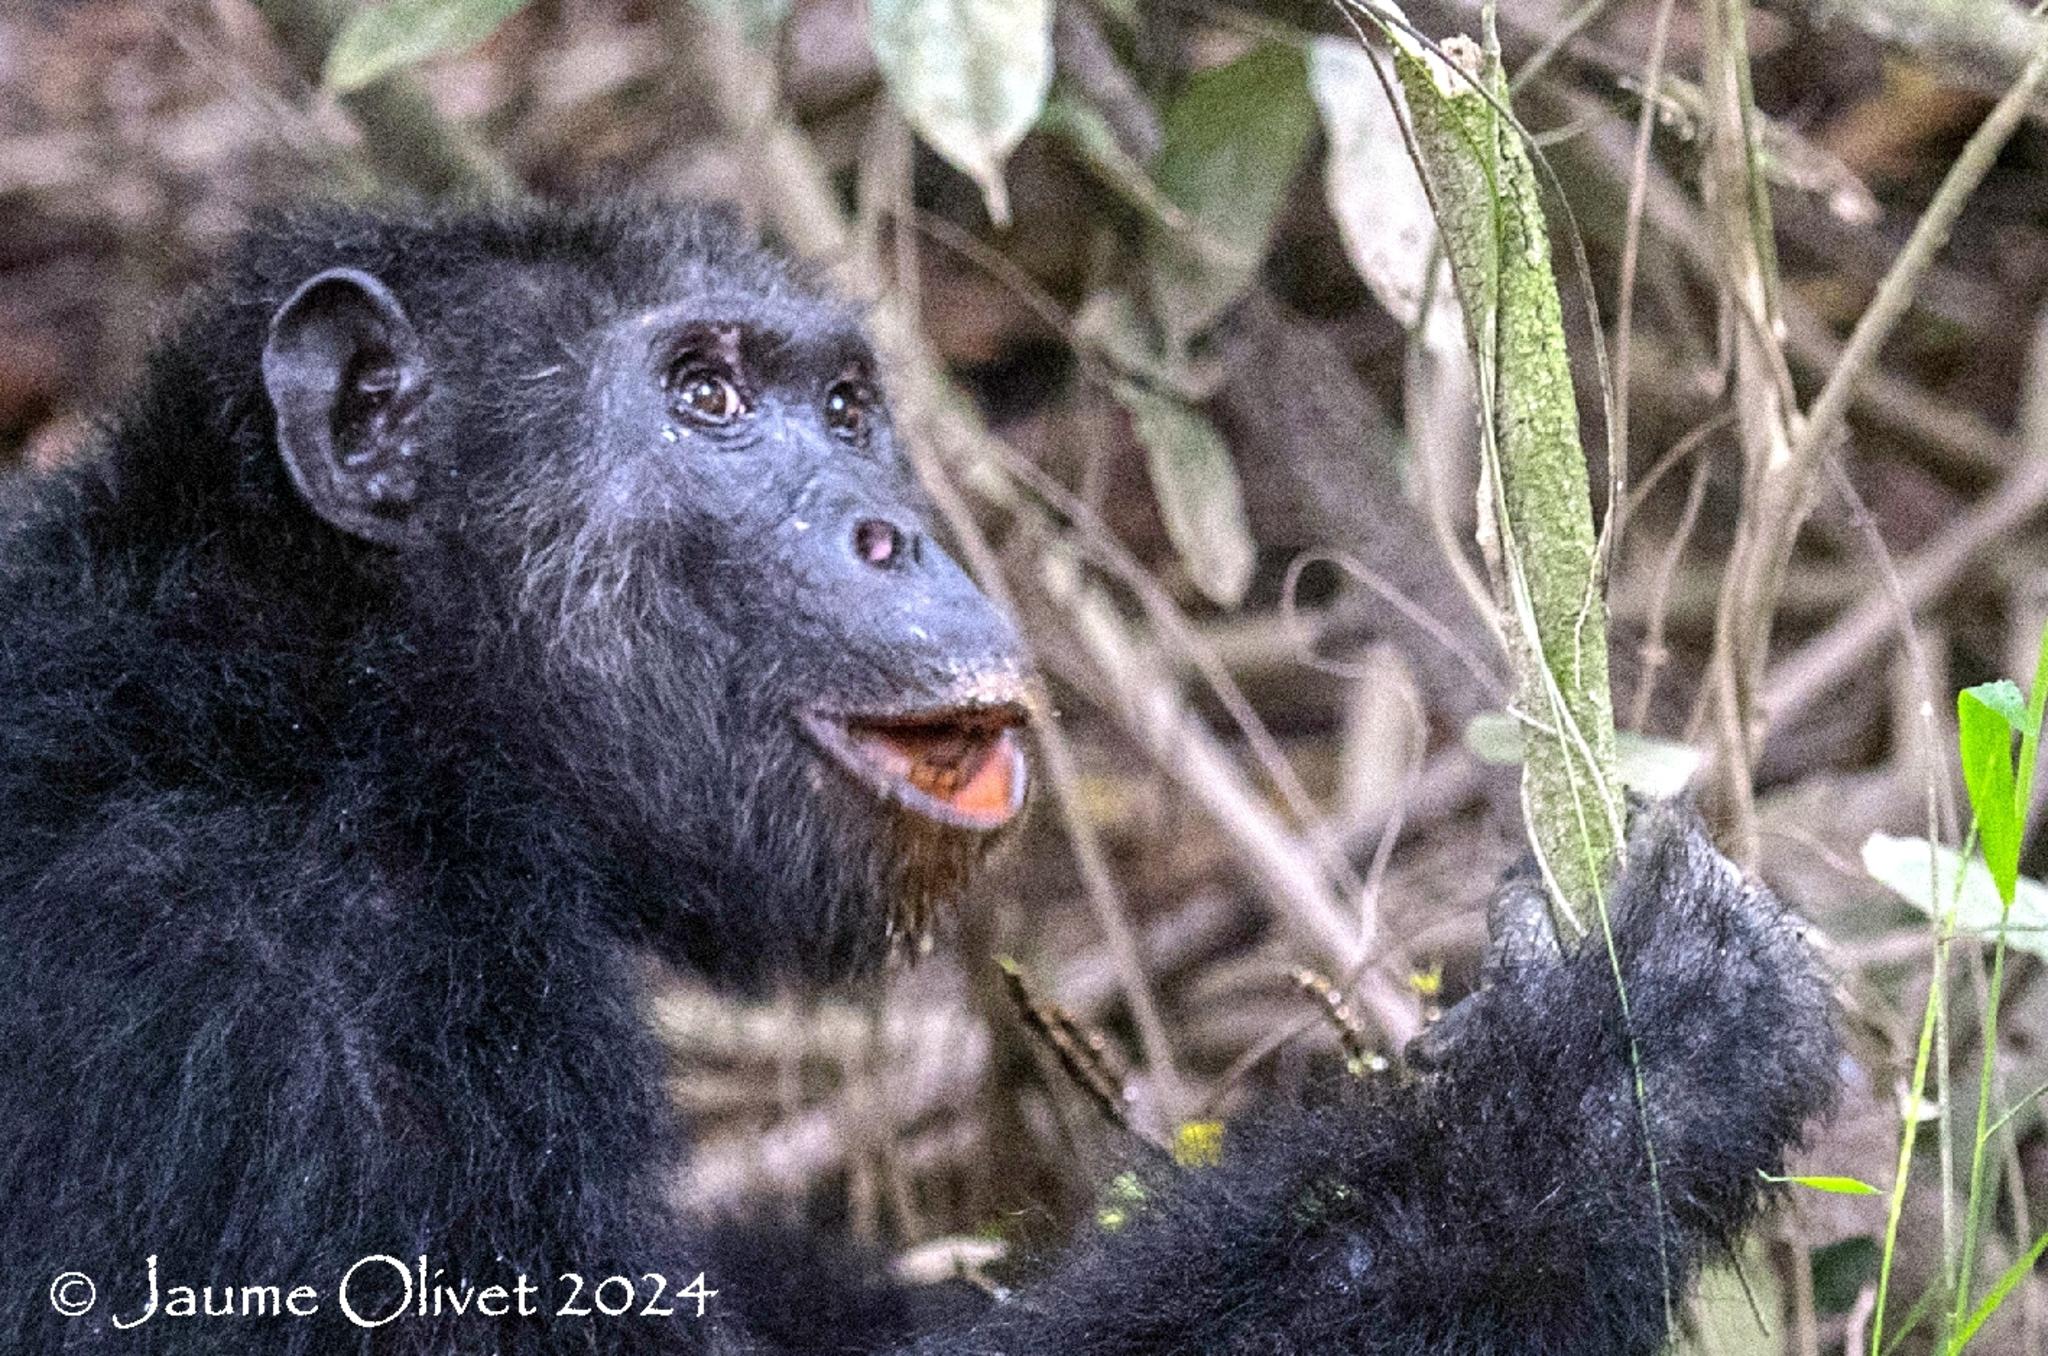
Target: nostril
[{"x": 877, "y": 542}]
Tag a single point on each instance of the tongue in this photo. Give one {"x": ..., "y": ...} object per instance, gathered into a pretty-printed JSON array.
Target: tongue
[
  {"x": 989, "y": 792},
  {"x": 972, "y": 772}
]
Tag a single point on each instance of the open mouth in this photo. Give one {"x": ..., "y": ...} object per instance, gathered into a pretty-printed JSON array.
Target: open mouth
[{"x": 963, "y": 767}]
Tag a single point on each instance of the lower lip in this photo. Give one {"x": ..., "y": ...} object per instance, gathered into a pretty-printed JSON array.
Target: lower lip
[{"x": 990, "y": 798}]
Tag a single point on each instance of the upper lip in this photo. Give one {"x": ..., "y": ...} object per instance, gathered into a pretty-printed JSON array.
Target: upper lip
[{"x": 958, "y": 763}]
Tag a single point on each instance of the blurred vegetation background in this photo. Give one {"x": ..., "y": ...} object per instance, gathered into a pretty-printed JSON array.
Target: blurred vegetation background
[{"x": 1154, "y": 281}]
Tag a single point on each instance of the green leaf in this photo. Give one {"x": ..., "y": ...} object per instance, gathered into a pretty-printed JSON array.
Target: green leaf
[
  {"x": 1931, "y": 878},
  {"x": 970, "y": 75},
  {"x": 1535, "y": 495},
  {"x": 1234, "y": 139},
  {"x": 756, "y": 20},
  {"x": 1834, "y": 1186},
  {"x": 1986, "y": 717},
  {"x": 1197, "y": 489},
  {"x": 2022, "y": 1267},
  {"x": 1069, "y": 116},
  {"x": 2003, "y": 696},
  {"x": 378, "y": 40}
]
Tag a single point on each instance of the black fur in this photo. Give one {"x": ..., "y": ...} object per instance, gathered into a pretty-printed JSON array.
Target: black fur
[{"x": 326, "y": 868}]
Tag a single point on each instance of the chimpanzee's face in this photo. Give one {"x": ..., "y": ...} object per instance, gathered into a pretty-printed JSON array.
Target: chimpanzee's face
[
  {"x": 763, "y": 440},
  {"x": 754, "y": 668}
]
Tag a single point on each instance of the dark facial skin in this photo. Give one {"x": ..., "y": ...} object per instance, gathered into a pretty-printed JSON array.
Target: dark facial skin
[{"x": 716, "y": 537}]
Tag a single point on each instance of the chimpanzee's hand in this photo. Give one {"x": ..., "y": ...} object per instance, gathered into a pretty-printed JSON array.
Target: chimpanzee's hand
[{"x": 1701, "y": 980}]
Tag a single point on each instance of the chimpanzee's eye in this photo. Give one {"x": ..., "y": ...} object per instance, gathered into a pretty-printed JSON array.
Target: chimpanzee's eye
[
  {"x": 850, "y": 411},
  {"x": 703, "y": 391}
]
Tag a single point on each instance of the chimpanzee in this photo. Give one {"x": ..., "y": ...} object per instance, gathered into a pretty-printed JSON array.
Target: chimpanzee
[{"x": 472, "y": 604}]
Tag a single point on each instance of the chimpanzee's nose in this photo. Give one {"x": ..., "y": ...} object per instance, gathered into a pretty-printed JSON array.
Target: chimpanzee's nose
[
  {"x": 885, "y": 546},
  {"x": 882, "y": 573}
]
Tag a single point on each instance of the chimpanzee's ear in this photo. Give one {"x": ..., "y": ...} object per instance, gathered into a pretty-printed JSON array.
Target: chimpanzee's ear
[{"x": 347, "y": 374}]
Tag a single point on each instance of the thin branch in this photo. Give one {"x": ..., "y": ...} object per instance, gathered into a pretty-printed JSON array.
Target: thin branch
[
  {"x": 1816, "y": 668},
  {"x": 1746, "y": 260},
  {"x": 1895, "y": 293},
  {"x": 1632, "y": 239},
  {"x": 1783, "y": 452}
]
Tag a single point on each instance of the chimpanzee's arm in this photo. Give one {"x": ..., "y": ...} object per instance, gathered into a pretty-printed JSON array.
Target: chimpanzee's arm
[{"x": 1504, "y": 1203}]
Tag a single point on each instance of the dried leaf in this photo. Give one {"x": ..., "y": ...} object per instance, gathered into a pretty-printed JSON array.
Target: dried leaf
[{"x": 970, "y": 75}]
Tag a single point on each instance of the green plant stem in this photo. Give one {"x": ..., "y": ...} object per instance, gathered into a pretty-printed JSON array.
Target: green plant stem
[
  {"x": 1944, "y": 949},
  {"x": 1913, "y": 1318},
  {"x": 1903, "y": 1169},
  {"x": 2021, "y": 1268},
  {"x": 1974, "y": 1202},
  {"x": 2019, "y": 1104}
]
